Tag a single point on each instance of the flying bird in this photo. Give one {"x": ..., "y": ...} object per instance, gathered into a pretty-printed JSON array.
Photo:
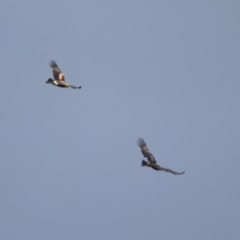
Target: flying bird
[
  {"x": 59, "y": 79},
  {"x": 151, "y": 160}
]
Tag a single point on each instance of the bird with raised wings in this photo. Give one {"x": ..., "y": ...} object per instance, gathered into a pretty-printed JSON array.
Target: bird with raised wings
[
  {"x": 151, "y": 160},
  {"x": 59, "y": 79}
]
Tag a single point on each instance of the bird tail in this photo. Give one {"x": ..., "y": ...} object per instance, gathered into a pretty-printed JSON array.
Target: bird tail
[
  {"x": 49, "y": 80},
  {"x": 144, "y": 163}
]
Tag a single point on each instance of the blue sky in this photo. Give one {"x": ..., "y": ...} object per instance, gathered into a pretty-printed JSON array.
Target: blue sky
[{"x": 166, "y": 71}]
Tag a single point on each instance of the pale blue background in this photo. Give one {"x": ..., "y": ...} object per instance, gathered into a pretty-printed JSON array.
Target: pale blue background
[{"x": 167, "y": 71}]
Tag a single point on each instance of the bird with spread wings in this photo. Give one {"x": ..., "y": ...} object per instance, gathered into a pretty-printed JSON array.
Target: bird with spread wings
[
  {"x": 151, "y": 160},
  {"x": 59, "y": 79}
]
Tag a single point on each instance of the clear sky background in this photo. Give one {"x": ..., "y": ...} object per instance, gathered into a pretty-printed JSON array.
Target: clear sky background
[{"x": 166, "y": 71}]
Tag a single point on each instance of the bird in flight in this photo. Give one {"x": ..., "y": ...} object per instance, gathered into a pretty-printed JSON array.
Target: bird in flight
[
  {"x": 58, "y": 75},
  {"x": 151, "y": 160}
]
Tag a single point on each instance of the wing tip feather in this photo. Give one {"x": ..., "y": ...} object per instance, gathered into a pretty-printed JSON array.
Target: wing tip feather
[
  {"x": 141, "y": 142},
  {"x": 53, "y": 64}
]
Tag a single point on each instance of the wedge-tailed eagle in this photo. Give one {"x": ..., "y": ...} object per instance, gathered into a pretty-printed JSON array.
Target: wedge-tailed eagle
[
  {"x": 59, "y": 79},
  {"x": 151, "y": 160}
]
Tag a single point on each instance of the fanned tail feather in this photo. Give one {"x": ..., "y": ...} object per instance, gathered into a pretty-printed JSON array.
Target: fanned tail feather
[{"x": 144, "y": 163}]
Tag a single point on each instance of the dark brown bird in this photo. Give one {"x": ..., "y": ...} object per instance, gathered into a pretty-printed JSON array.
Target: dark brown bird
[
  {"x": 59, "y": 79},
  {"x": 151, "y": 160}
]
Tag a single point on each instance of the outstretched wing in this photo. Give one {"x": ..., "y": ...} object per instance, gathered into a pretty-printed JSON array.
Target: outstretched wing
[
  {"x": 170, "y": 170},
  {"x": 57, "y": 73},
  {"x": 145, "y": 151}
]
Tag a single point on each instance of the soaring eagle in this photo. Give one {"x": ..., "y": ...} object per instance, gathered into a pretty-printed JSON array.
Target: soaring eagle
[
  {"x": 59, "y": 80},
  {"x": 151, "y": 160}
]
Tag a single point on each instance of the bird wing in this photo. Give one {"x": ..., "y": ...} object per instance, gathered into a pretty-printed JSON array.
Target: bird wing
[
  {"x": 57, "y": 73},
  {"x": 169, "y": 170},
  {"x": 145, "y": 151}
]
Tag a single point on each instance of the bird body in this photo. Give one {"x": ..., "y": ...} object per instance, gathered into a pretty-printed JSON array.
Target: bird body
[
  {"x": 59, "y": 79},
  {"x": 151, "y": 160}
]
